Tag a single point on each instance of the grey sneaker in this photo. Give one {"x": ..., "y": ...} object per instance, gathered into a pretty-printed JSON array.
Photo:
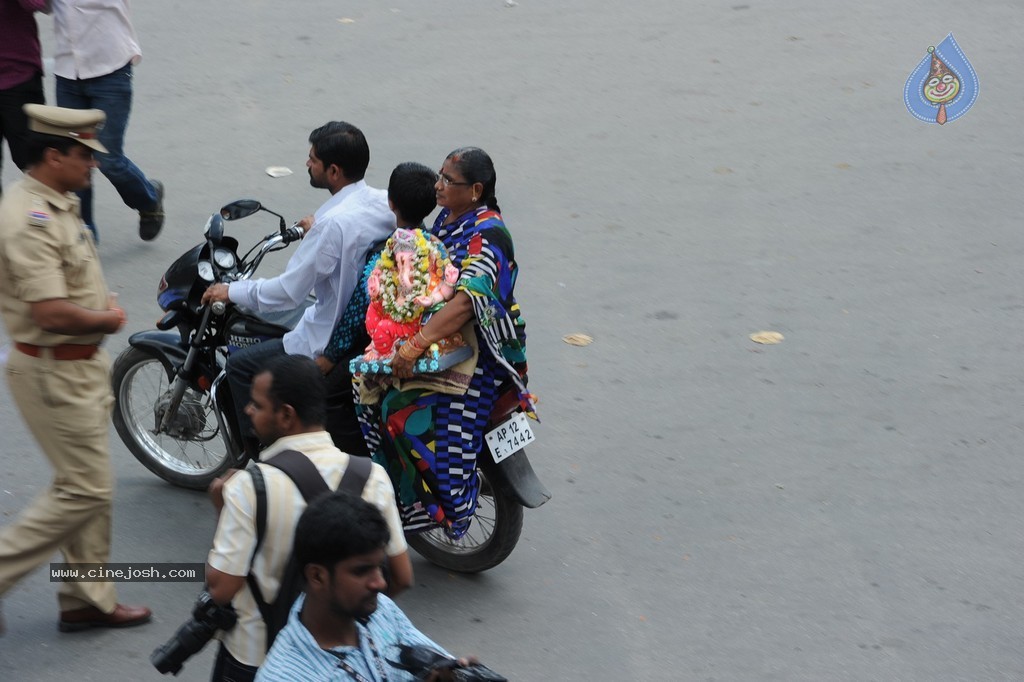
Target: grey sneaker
[{"x": 150, "y": 222}]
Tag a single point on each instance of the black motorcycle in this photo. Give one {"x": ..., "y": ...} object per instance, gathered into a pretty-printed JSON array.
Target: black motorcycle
[
  {"x": 173, "y": 408},
  {"x": 175, "y": 412}
]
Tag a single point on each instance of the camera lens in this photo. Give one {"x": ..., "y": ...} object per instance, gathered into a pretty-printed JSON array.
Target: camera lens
[{"x": 192, "y": 636}]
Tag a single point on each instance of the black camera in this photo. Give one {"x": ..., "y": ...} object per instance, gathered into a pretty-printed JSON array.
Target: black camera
[
  {"x": 207, "y": 618},
  {"x": 421, "y": 661}
]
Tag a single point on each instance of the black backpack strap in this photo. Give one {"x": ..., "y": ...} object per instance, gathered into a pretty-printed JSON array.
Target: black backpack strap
[
  {"x": 302, "y": 472},
  {"x": 307, "y": 479},
  {"x": 311, "y": 484},
  {"x": 356, "y": 474},
  {"x": 260, "y": 487}
]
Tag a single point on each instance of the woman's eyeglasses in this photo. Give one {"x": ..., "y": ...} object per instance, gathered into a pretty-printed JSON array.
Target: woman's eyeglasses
[{"x": 448, "y": 182}]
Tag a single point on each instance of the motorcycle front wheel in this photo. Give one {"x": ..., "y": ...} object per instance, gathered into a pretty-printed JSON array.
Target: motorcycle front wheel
[
  {"x": 192, "y": 451},
  {"x": 491, "y": 537}
]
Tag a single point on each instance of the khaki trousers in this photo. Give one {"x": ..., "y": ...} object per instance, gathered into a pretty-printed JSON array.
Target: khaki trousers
[{"x": 66, "y": 405}]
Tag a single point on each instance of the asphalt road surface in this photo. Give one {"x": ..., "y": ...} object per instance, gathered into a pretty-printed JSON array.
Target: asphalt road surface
[{"x": 678, "y": 175}]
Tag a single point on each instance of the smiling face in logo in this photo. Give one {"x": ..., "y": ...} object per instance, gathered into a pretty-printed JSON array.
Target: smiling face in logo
[
  {"x": 942, "y": 85},
  {"x": 942, "y": 88}
]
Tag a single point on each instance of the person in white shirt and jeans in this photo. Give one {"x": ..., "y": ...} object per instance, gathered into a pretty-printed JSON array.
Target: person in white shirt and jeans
[
  {"x": 95, "y": 51},
  {"x": 328, "y": 262}
]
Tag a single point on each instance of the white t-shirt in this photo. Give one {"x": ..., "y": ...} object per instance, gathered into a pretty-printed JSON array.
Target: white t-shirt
[{"x": 94, "y": 38}]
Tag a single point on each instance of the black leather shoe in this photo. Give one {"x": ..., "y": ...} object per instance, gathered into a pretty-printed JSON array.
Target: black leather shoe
[
  {"x": 150, "y": 222},
  {"x": 91, "y": 617}
]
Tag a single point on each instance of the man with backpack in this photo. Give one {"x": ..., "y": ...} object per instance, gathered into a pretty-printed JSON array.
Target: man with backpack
[{"x": 260, "y": 507}]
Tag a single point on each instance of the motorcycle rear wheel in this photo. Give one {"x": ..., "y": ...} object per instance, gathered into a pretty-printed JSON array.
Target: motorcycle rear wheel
[
  {"x": 196, "y": 454},
  {"x": 497, "y": 525}
]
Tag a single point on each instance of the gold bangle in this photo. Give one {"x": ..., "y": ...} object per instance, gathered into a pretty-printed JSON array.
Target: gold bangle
[{"x": 405, "y": 353}]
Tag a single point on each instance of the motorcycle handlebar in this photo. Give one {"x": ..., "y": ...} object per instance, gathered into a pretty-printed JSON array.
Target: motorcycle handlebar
[{"x": 271, "y": 242}]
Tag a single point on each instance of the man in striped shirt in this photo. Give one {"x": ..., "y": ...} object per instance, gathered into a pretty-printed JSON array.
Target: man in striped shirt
[{"x": 343, "y": 628}]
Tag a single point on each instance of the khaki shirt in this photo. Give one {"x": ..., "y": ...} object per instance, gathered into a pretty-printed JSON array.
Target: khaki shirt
[{"x": 46, "y": 253}]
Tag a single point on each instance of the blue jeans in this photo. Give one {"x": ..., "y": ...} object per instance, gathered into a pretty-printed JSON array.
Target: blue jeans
[{"x": 113, "y": 94}]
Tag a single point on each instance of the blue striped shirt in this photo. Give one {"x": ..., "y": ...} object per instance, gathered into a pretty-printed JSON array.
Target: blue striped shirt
[{"x": 296, "y": 655}]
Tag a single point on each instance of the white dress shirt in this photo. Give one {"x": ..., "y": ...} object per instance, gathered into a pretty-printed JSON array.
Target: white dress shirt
[
  {"x": 94, "y": 38},
  {"x": 329, "y": 261}
]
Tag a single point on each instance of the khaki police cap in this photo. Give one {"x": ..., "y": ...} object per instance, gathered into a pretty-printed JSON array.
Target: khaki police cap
[{"x": 82, "y": 125}]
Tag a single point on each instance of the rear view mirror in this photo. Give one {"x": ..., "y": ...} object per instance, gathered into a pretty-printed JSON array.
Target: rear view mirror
[{"x": 243, "y": 208}]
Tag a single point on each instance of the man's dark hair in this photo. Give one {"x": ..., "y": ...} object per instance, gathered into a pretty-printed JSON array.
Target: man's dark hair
[
  {"x": 476, "y": 166},
  {"x": 343, "y": 145},
  {"x": 337, "y": 526},
  {"x": 411, "y": 190},
  {"x": 37, "y": 144},
  {"x": 296, "y": 380}
]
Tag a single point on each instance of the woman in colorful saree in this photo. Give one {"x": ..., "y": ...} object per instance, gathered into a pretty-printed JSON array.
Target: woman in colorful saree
[{"x": 429, "y": 440}]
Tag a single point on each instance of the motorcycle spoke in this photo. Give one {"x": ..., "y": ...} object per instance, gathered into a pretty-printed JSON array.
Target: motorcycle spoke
[
  {"x": 479, "y": 533},
  {"x": 191, "y": 445},
  {"x": 492, "y": 535}
]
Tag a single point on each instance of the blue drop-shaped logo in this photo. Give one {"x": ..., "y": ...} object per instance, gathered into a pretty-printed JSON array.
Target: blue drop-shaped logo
[{"x": 943, "y": 86}]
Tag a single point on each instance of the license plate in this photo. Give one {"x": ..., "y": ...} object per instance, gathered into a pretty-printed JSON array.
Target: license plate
[{"x": 510, "y": 436}]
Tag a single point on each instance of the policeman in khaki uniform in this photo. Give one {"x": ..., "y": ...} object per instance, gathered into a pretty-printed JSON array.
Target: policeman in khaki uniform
[{"x": 57, "y": 310}]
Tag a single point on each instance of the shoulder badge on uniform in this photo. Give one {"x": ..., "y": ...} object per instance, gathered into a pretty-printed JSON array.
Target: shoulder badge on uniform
[{"x": 38, "y": 218}]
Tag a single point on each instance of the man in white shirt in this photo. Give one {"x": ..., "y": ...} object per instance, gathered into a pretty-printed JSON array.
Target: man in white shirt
[
  {"x": 328, "y": 262},
  {"x": 96, "y": 49},
  {"x": 287, "y": 409}
]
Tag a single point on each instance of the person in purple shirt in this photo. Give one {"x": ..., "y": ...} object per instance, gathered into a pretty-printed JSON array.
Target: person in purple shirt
[{"x": 21, "y": 72}]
